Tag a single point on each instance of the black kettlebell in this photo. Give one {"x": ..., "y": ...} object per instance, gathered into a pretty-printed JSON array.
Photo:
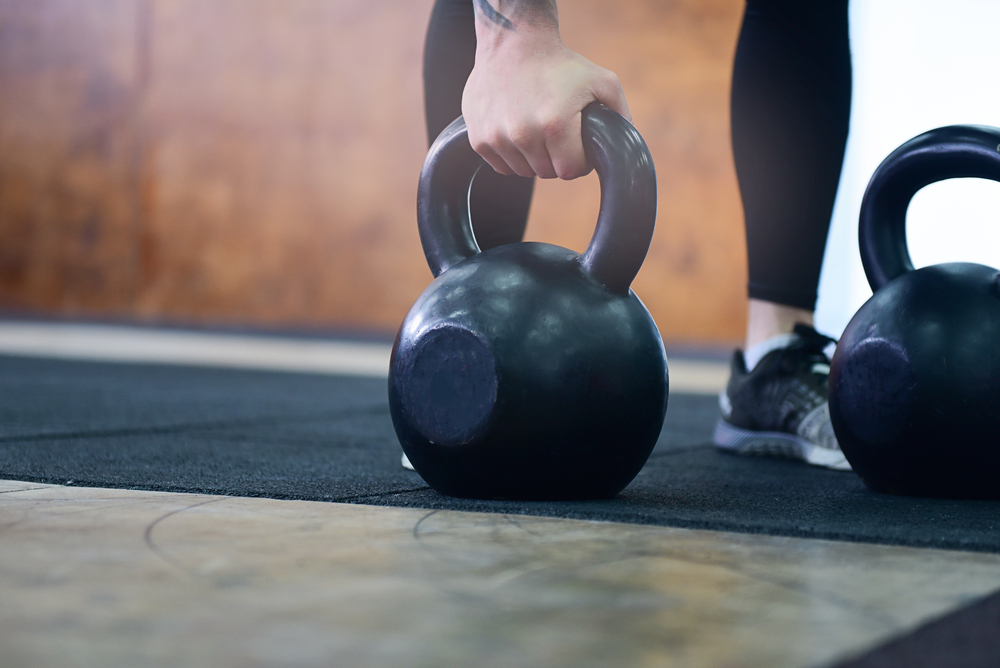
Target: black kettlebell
[
  {"x": 915, "y": 380},
  {"x": 528, "y": 371}
]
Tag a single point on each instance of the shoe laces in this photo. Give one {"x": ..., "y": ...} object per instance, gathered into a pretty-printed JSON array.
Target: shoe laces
[{"x": 809, "y": 348}]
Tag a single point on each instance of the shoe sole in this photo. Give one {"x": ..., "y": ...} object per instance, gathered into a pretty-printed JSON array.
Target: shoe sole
[{"x": 776, "y": 444}]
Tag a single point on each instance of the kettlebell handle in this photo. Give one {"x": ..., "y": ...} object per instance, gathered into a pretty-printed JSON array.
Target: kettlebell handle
[
  {"x": 955, "y": 151},
  {"x": 628, "y": 198}
]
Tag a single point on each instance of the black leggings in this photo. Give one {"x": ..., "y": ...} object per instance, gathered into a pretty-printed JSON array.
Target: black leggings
[{"x": 791, "y": 100}]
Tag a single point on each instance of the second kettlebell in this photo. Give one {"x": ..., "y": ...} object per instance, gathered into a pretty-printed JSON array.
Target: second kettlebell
[{"x": 915, "y": 380}]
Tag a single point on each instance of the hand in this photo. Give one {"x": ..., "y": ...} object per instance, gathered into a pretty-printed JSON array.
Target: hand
[{"x": 523, "y": 102}]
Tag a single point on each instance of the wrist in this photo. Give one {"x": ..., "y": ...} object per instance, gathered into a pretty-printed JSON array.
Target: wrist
[
  {"x": 519, "y": 45},
  {"x": 524, "y": 31}
]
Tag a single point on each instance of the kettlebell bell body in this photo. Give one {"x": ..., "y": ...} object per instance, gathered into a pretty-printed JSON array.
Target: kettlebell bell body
[
  {"x": 529, "y": 371},
  {"x": 915, "y": 380}
]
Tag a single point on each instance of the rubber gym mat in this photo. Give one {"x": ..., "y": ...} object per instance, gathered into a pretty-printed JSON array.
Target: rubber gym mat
[{"x": 329, "y": 438}]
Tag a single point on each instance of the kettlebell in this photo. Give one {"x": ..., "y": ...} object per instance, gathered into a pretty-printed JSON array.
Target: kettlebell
[
  {"x": 915, "y": 379},
  {"x": 528, "y": 371}
]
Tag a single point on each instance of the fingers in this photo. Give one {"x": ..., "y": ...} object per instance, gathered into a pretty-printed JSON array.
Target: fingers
[
  {"x": 520, "y": 151},
  {"x": 564, "y": 141},
  {"x": 551, "y": 144},
  {"x": 529, "y": 142},
  {"x": 608, "y": 91},
  {"x": 530, "y": 123},
  {"x": 548, "y": 149},
  {"x": 490, "y": 152}
]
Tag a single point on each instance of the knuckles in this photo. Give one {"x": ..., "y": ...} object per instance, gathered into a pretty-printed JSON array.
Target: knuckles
[
  {"x": 546, "y": 130},
  {"x": 554, "y": 127},
  {"x": 521, "y": 136}
]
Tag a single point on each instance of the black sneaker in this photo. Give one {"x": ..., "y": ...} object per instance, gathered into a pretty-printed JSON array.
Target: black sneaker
[{"x": 780, "y": 408}]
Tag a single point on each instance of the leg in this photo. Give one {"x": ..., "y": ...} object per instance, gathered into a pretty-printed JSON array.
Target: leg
[
  {"x": 790, "y": 110},
  {"x": 766, "y": 319},
  {"x": 499, "y": 204}
]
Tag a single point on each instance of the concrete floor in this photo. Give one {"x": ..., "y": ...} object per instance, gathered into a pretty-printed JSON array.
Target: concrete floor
[{"x": 104, "y": 577}]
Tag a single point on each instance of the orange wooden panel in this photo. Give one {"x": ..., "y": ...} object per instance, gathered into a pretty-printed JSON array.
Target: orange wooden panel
[
  {"x": 243, "y": 161},
  {"x": 68, "y": 146},
  {"x": 284, "y": 145}
]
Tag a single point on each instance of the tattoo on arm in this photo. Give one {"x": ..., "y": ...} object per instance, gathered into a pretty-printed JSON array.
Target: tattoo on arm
[
  {"x": 494, "y": 16},
  {"x": 532, "y": 10}
]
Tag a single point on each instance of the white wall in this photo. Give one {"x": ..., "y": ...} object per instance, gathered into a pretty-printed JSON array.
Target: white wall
[{"x": 918, "y": 64}]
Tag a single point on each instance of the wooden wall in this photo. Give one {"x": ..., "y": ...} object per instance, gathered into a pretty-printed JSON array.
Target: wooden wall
[{"x": 252, "y": 162}]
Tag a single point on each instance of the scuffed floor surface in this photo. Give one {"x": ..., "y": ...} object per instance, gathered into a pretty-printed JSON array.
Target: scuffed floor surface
[{"x": 104, "y": 577}]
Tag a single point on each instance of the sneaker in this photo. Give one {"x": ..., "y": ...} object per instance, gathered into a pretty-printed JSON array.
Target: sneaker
[{"x": 780, "y": 408}]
